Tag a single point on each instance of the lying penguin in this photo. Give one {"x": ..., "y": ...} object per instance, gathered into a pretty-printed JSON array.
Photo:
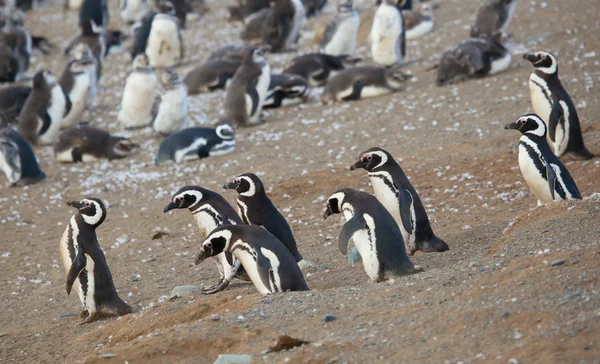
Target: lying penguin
[
  {"x": 286, "y": 89},
  {"x": 363, "y": 82},
  {"x": 210, "y": 76},
  {"x": 17, "y": 159},
  {"x": 317, "y": 68}
]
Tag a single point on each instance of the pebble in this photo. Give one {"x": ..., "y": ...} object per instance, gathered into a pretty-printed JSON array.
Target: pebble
[
  {"x": 65, "y": 315},
  {"x": 329, "y": 318},
  {"x": 233, "y": 359},
  {"x": 136, "y": 277},
  {"x": 354, "y": 256},
  {"x": 305, "y": 264},
  {"x": 182, "y": 291},
  {"x": 107, "y": 355},
  {"x": 557, "y": 262}
]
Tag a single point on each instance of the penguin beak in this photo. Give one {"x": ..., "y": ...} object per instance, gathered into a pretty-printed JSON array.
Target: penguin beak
[
  {"x": 170, "y": 207},
  {"x": 358, "y": 164},
  {"x": 75, "y": 204},
  {"x": 201, "y": 257},
  {"x": 531, "y": 57},
  {"x": 511, "y": 126},
  {"x": 229, "y": 186},
  {"x": 327, "y": 212}
]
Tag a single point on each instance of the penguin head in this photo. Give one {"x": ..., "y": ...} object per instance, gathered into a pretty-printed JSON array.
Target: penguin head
[
  {"x": 529, "y": 124},
  {"x": 225, "y": 130},
  {"x": 396, "y": 78},
  {"x": 186, "y": 198},
  {"x": 247, "y": 184},
  {"x": 166, "y": 7},
  {"x": 217, "y": 242},
  {"x": 169, "y": 78},
  {"x": 92, "y": 210},
  {"x": 453, "y": 67},
  {"x": 372, "y": 159},
  {"x": 141, "y": 62},
  {"x": 83, "y": 54},
  {"x": 543, "y": 61},
  {"x": 120, "y": 147},
  {"x": 336, "y": 201},
  {"x": 255, "y": 55},
  {"x": 43, "y": 78}
]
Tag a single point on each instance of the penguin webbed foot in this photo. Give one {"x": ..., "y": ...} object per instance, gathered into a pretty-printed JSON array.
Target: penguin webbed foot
[
  {"x": 90, "y": 318},
  {"x": 221, "y": 285}
]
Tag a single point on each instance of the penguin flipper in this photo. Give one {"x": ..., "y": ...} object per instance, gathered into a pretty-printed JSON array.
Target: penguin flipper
[
  {"x": 552, "y": 179},
  {"x": 557, "y": 116},
  {"x": 263, "y": 266},
  {"x": 357, "y": 87},
  {"x": 76, "y": 267},
  {"x": 251, "y": 91},
  {"x": 356, "y": 223},
  {"x": 406, "y": 201},
  {"x": 46, "y": 121},
  {"x": 68, "y": 104}
]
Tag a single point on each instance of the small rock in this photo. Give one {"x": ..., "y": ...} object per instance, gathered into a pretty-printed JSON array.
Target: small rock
[
  {"x": 557, "y": 262},
  {"x": 329, "y": 318},
  {"x": 305, "y": 264},
  {"x": 285, "y": 342},
  {"x": 182, "y": 291},
  {"x": 136, "y": 277},
  {"x": 233, "y": 359},
  {"x": 65, "y": 315},
  {"x": 354, "y": 256},
  {"x": 107, "y": 355},
  {"x": 513, "y": 361},
  {"x": 160, "y": 234},
  {"x": 2, "y": 334}
]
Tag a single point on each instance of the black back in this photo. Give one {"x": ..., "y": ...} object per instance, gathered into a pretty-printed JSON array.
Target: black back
[
  {"x": 184, "y": 138},
  {"x": 141, "y": 35},
  {"x": 96, "y": 10}
]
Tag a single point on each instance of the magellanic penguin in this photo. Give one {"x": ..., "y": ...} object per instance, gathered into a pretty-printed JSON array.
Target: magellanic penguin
[
  {"x": 317, "y": 68},
  {"x": 388, "y": 43},
  {"x": 164, "y": 45},
  {"x": 85, "y": 143},
  {"x": 210, "y": 76},
  {"x": 493, "y": 17},
  {"x": 546, "y": 176},
  {"x": 94, "y": 39},
  {"x": 396, "y": 193},
  {"x": 248, "y": 89},
  {"x": 374, "y": 233},
  {"x": 363, "y": 82},
  {"x": 17, "y": 159},
  {"x": 12, "y": 100},
  {"x": 173, "y": 107},
  {"x": 44, "y": 110},
  {"x": 79, "y": 82},
  {"x": 86, "y": 266},
  {"x": 17, "y": 38},
  {"x": 95, "y": 10},
  {"x": 137, "y": 103},
  {"x": 256, "y": 208},
  {"x": 341, "y": 33},
  {"x": 473, "y": 58},
  {"x": 282, "y": 27},
  {"x": 265, "y": 259},
  {"x": 554, "y": 105},
  {"x": 418, "y": 23},
  {"x": 196, "y": 143},
  {"x": 286, "y": 89},
  {"x": 133, "y": 10},
  {"x": 209, "y": 210}
]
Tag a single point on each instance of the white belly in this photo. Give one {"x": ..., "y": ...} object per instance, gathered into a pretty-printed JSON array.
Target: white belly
[
  {"x": 262, "y": 88},
  {"x": 66, "y": 258},
  {"x": 164, "y": 47},
  {"x": 79, "y": 99},
  {"x": 501, "y": 64},
  {"x": 385, "y": 36},
  {"x": 172, "y": 111},
  {"x": 137, "y": 101},
  {"x": 65, "y": 156},
  {"x": 420, "y": 29},
  {"x": 90, "y": 304},
  {"x": 537, "y": 184},
  {"x": 541, "y": 105},
  {"x": 561, "y": 133},
  {"x": 181, "y": 156},
  {"x": 344, "y": 40},
  {"x": 374, "y": 91},
  {"x": 366, "y": 247},
  {"x": 249, "y": 265},
  {"x": 75, "y": 4},
  {"x": 13, "y": 175},
  {"x": 56, "y": 112}
]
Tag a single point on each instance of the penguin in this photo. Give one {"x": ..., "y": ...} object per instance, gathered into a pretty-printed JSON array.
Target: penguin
[
  {"x": 395, "y": 192},
  {"x": 363, "y": 82},
  {"x": 12, "y": 100},
  {"x": 554, "y": 105},
  {"x": 44, "y": 110},
  {"x": 473, "y": 58},
  {"x": 73, "y": 4},
  {"x": 132, "y": 11},
  {"x": 173, "y": 107},
  {"x": 94, "y": 40},
  {"x": 164, "y": 43},
  {"x": 248, "y": 89},
  {"x": 374, "y": 233},
  {"x": 96, "y": 11},
  {"x": 196, "y": 143},
  {"x": 231, "y": 52},
  {"x": 317, "y": 68},
  {"x": 313, "y": 7},
  {"x": 17, "y": 159},
  {"x": 85, "y": 263},
  {"x": 9, "y": 64},
  {"x": 181, "y": 9},
  {"x": 209, "y": 210},
  {"x": 256, "y": 208},
  {"x": 493, "y": 17},
  {"x": 341, "y": 33},
  {"x": 265, "y": 259},
  {"x": 114, "y": 40},
  {"x": 85, "y": 143},
  {"x": 245, "y": 8},
  {"x": 388, "y": 43},
  {"x": 210, "y": 76},
  {"x": 546, "y": 176},
  {"x": 419, "y": 23},
  {"x": 137, "y": 103},
  {"x": 253, "y": 25},
  {"x": 78, "y": 81},
  {"x": 141, "y": 31},
  {"x": 16, "y": 37},
  {"x": 281, "y": 29},
  {"x": 286, "y": 89}
]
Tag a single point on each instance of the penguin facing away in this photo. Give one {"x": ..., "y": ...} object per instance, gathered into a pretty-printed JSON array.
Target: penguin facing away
[
  {"x": 374, "y": 233},
  {"x": 341, "y": 33},
  {"x": 286, "y": 89},
  {"x": 17, "y": 159},
  {"x": 395, "y": 192},
  {"x": 164, "y": 44},
  {"x": 173, "y": 108},
  {"x": 210, "y": 76},
  {"x": 78, "y": 81},
  {"x": 210, "y": 210},
  {"x": 95, "y": 10},
  {"x": 546, "y": 176},
  {"x": 196, "y": 143},
  {"x": 388, "y": 43},
  {"x": 265, "y": 259},
  {"x": 554, "y": 105},
  {"x": 139, "y": 93},
  {"x": 85, "y": 264},
  {"x": 493, "y": 17},
  {"x": 317, "y": 68}
]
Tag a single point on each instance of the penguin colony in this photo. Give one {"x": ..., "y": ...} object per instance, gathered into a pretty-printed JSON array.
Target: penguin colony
[{"x": 256, "y": 243}]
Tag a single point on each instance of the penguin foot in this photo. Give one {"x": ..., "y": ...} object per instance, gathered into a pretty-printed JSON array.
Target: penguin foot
[
  {"x": 91, "y": 317},
  {"x": 215, "y": 288},
  {"x": 84, "y": 314}
]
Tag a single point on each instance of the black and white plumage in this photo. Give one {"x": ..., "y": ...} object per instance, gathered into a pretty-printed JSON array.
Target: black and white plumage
[
  {"x": 313, "y": 7},
  {"x": 282, "y": 27},
  {"x": 132, "y": 11},
  {"x": 12, "y": 100},
  {"x": 395, "y": 192},
  {"x": 85, "y": 143},
  {"x": 417, "y": 23},
  {"x": 94, "y": 39},
  {"x": 196, "y": 143},
  {"x": 388, "y": 43},
  {"x": 17, "y": 159},
  {"x": 374, "y": 233},
  {"x": 256, "y": 208},
  {"x": 210, "y": 76},
  {"x": 95, "y": 10},
  {"x": 210, "y": 210},
  {"x": 493, "y": 18},
  {"x": 78, "y": 81},
  {"x": 173, "y": 108},
  {"x": 270, "y": 266},
  {"x": 363, "y": 82},
  {"x": 138, "y": 101},
  {"x": 553, "y": 104},
  {"x": 317, "y": 68},
  {"x": 286, "y": 89},
  {"x": 473, "y": 58},
  {"x": 546, "y": 176},
  {"x": 341, "y": 33},
  {"x": 85, "y": 263},
  {"x": 141, "y": 31}
]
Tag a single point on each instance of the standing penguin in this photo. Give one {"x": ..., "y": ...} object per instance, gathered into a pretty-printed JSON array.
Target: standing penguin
[
  {"x": 138, "y": 95},
  {"x": 210, "y": 76},
  {"x": 94, "y": 40},
  {"x": 267, "y": 262},
  {"x": 342, "y": 31},
  {"x": 17, "y": 159},
  {"x": 164, "y": 43},
  {"x": 44, "y": 110},
  {"x": 395, "y": 192},
  {"x": 173, "y": 108},
  {"x": 210, "y": 210},
  {"x": 388, "y": 43},
  {"x": 85, "y": 264},
  {"x": 316, "y": 68},
  {"x": 374, "y": 233},
  {"x": 286, "y": 89},
  {"x": 133, "y": 10},
  {"x": 493, "y": 17},
  {"x": 248, "y": 90},
  {"x": 96, "y": 11},
  {"x": 282, "y": 27},
  {"x": 554, "y": 105},
  {"x": 16, "y": 37},
  {"x": 545, "y": 175},
  {"x": 79, "y": 83},
  {"x": 256, "y": 208}
]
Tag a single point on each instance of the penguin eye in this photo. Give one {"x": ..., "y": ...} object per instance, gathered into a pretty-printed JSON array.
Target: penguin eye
[
  {"x": 208, "y": 245},
  {"x": 369, "y": 158},
  {"x": 87, "y": 204},
  {"x": 238, "y": 180}
]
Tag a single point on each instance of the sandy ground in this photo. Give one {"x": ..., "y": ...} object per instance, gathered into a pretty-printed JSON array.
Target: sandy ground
[{"x": 494, "y": 297}]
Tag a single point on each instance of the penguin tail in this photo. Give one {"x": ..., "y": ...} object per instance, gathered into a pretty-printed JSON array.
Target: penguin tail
[
  {"x": 435, "y": 244},
  {"x": 581, "y": 154}
]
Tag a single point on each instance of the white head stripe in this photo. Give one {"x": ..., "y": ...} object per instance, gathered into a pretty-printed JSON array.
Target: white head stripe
[
  {"x": 383, "y": 157},
  {"x": 220, "y": 234},
  {"x": 251, "y": 190},
  {"x": 93, "y": 220},
  {"x": 194, "y": 193}
]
